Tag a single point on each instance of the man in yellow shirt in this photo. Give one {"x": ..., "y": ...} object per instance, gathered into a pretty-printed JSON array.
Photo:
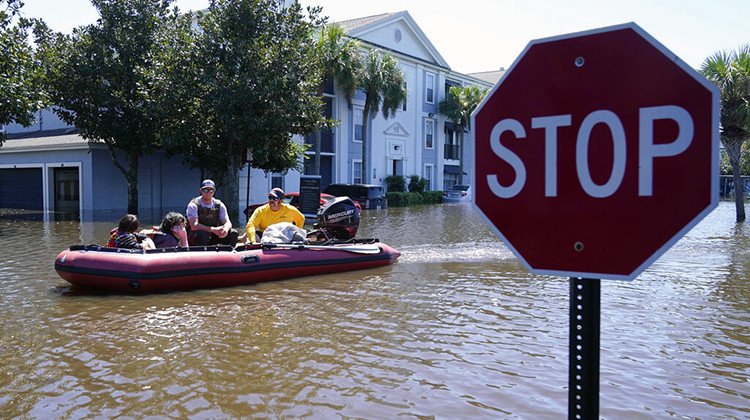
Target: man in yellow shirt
[{"x": 276, "y": 211}]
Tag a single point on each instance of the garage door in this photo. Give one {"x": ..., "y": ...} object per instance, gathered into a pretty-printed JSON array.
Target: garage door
[{"x": 21, "y": 188}]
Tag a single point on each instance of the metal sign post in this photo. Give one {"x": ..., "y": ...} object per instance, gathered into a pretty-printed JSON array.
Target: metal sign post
[{"x": 583, "y": 365}]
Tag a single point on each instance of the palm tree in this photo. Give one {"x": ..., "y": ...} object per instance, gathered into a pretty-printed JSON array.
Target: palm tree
[
  {"x": 382, "y": 81},
  {"x": 340, "y": 62},
  {"x": 730, "y": 71},
  {"x": 458, "y": 106}
]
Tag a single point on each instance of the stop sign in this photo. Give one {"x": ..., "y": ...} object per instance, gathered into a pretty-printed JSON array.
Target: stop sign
[{"x": 596, "y": 152}]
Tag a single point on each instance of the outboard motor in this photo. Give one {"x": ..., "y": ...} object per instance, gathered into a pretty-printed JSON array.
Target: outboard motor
[{"x": 338, "y": 219}]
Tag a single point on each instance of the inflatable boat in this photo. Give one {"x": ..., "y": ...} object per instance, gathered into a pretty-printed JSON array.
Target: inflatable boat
[
  {"x": 129, "y": 270},
  {"x": 330, "y": 248}
]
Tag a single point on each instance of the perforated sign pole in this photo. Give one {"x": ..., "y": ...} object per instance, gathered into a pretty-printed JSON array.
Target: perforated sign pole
[{"x": 583, "y": 364}]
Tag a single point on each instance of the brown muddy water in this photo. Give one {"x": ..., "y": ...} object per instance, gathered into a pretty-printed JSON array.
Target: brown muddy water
[{"x": 456, "y": 329}]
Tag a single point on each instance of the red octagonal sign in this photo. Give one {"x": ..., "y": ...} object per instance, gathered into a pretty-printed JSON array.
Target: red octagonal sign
[{"x": 596, "y": 152}]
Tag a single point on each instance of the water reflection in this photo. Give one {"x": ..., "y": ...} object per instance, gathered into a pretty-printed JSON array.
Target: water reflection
[{"x": 456, "y": 329}]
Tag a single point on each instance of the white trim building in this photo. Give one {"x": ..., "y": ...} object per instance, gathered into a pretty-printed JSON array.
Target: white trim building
[
  {"x": 50, "y": 168},
  {"x": 418, "y": 140}
]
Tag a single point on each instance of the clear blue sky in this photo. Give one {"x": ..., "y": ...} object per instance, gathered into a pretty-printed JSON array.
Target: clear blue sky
[{"x": 481, "y": 35}]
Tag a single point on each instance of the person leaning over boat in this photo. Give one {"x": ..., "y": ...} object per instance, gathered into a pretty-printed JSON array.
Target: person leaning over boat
[
  {"x": 276, "y": 211},
  {"x": 208, "y": 221},
  {"x": 171, "y": 232},
  {"x": 125, "y": 235}
]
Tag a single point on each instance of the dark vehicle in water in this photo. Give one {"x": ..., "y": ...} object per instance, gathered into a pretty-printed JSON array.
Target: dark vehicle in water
[{"x": 368, "y": 196}]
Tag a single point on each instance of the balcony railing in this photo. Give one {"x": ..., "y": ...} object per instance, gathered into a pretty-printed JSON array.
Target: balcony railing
[{"x": 451, "y": 151}]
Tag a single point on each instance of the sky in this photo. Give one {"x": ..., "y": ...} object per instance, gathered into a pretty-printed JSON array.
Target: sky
[{"x": 484, "y": 35}]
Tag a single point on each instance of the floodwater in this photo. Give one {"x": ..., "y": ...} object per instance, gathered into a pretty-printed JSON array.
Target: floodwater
[{"x": 456, "y": 329}]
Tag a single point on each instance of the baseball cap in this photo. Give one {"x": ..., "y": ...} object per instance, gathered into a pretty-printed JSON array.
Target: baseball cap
[
  {"x": 208, "y": 183},
  {"x": 276, "y": 193}
]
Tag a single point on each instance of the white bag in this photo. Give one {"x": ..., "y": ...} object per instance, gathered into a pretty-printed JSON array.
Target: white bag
[{"x": 283, "y": 233}]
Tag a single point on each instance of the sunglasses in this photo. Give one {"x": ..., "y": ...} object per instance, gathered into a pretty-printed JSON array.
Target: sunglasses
[
  {"x": 208, "y": 190},
  {"x": 273, "y": 199}
]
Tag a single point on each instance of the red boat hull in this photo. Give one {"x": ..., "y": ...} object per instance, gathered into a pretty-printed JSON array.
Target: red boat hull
[{"x": 211, "y": 267}]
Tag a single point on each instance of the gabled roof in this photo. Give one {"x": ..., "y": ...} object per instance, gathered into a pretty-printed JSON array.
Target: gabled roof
[
  {"x": 491, "y": 76},
  {"x": 377, "y": 30},
  {"x": 396, "y": 129},
  {"x": 353, "y": 24},
  {"x": 42, "y": 133}
]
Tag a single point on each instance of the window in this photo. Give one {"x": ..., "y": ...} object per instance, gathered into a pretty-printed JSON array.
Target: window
[
  {"x": 450, "y": 147},
  {"x": 429, "y": 85},
  {"x": 277, "y": 181},
  {"x": 449, "y": 181},
  {"x": 429, "y": 130},
  {"x": 357, "y": 172},
  {"x": 358, "y": 117},
  {"x": 428, "y": 177},
  {"x": 448, "y": 135}
]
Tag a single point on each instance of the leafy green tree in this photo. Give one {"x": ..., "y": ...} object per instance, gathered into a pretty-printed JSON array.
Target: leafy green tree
[
  {"x": 106, "y": 81},
  {"x": 417, "y": 184},
  {"x": 340, "y": 60},
  {"x": 21, "y": 72},
  {"x": 250, "y": 82},
  {"x": 458, "y": 106},
  {"x": 730, "y": 71},
  {"x": 383, "y": 84}
]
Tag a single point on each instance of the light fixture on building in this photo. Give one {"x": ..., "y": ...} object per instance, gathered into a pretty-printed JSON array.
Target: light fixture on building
[{"x": 431, "y": 114}]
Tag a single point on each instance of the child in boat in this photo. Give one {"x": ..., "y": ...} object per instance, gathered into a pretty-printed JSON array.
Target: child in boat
[
  {"x": 171, "y": 232},
  {"x": 125, "y": 235}
]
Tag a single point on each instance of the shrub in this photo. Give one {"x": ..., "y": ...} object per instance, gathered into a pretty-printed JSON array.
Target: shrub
[
  {"x": 414, "y": 198},
  {"x": 395, "y": 183},
  {"x": 396, "y": 199},
  {"x": 432, "y": 197},
  {"x": 417, "y": 184},
  {"x": 403, "y": 199}
]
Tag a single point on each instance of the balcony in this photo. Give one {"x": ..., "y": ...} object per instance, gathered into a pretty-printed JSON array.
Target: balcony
[
  {"x": 326, "y": 141},
  {"x": 451, "y": 151}
]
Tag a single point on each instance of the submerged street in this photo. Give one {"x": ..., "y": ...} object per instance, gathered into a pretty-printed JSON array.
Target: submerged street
[{"x": 457, "y": 328}]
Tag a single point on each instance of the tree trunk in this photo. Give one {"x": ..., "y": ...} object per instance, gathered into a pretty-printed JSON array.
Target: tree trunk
[
  {"x": 461, "y": 154},
  {"x": 318, "y": 141},
  {"x": 365, "y": 123},
  {"x": 734, "y": 150},
  {"x": 132, "y": 177},
  {"x": 230, "y": 192},
  {"x": 739, "y": 193},
  {"x": 130, "y": 174}
]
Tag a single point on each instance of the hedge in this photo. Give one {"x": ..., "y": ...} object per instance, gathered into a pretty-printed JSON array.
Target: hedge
[{"x": 403, "y": 199}]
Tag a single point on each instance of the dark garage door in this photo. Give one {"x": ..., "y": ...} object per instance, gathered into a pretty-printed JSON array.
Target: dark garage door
[{"x": 21, "y": 188}]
